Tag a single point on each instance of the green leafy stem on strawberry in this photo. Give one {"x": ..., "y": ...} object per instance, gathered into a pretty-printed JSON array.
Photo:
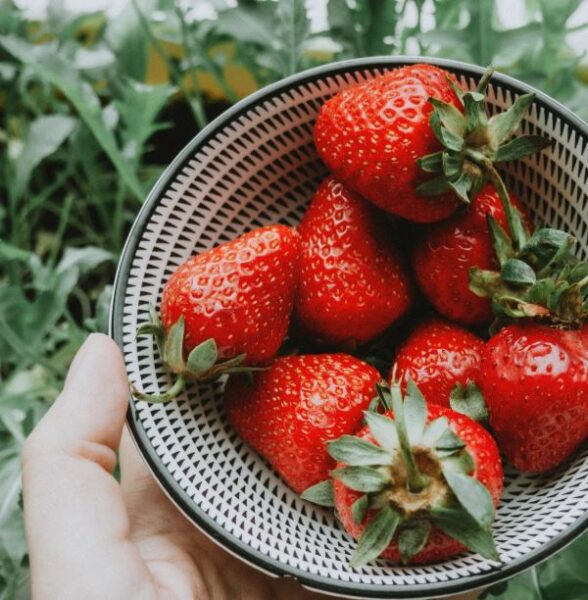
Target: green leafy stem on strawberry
[
  {"x": 412, "y": 477},
  {"x": 539, "y": 278},
  {"x": 202, "y": 363}
]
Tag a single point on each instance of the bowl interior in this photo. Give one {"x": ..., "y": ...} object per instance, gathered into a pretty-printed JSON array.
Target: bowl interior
[{"x": 257, "y": 165}]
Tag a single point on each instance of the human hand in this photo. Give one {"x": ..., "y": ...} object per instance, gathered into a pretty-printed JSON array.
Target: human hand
[{"x": 90, "y": 537}]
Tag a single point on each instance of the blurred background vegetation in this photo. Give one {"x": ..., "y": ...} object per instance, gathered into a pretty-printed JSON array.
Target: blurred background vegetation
[{"x": 95, "y": 101}]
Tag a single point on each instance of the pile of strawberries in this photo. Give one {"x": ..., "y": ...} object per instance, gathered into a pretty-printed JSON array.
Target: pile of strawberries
[{"x": 411, "y": 239}]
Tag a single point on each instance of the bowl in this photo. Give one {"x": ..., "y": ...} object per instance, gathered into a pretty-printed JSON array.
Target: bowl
[{"x": 255, "y": 165}]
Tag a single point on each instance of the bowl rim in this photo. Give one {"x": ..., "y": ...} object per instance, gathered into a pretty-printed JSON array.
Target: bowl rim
[{"x": 171, "y": 487}]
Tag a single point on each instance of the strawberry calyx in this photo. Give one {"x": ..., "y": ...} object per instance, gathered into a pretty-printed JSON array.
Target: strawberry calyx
[
  {"x": 415, "y": 475},
  {"x": 538, "y": 278},
  {"x": 468, "y": 400},
  {"x": 202, "y": 363},
  {"x": 473, "y": 142}
]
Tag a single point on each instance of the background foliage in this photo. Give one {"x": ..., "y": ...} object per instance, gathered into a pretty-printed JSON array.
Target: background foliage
[{"x": 92, "y": 109}]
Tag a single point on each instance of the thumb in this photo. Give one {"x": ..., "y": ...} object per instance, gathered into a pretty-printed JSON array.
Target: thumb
[
  {"x": 92, "y": 406},
  {"x": 73, "y": 505}
]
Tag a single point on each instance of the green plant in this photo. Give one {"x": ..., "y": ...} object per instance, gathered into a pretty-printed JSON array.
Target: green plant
[{"x": 83, "y": 137}]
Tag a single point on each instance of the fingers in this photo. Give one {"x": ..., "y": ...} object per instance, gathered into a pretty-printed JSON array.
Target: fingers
[
  {"x": 150, "y": 512},
  {"x": 73, "y": 506},
  {"x": 93, "y": 404}
]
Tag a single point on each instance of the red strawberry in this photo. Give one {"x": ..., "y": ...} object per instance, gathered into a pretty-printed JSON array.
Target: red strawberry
[
  {"x": 240, "y": 294},
  {"x": 445, "y": 253},
  {"x": 535, "y": 383},
  {"x": 371, "y": 135},
  {"x": 231, "y": 302},
  {"x": 418, "y": 484},
  {"x": 296, "y": 406},
  {"x": 534, "y": 372},
  {"x": 353, "y": 283},
  {"x": 437, "y": 356}
]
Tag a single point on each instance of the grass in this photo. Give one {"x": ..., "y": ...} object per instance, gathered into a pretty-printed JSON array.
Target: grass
[{"x": 92, "y": 110}]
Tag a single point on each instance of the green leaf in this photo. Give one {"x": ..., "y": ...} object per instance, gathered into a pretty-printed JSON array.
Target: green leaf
[
  {"x": 139, "y": 106},
  {"x": 460, "y": 461},
  {"x": 521, "y": 146},
  {"x": 127, "y": 39},
  {"x": 547, "y": 249},
  {"x": 449, "y": 441},
  {"x": 449, "y": 139},
  {"x": 251, "y": 23},
  {"x": 414, "y": 392},
  {"x": 44, "y": 136},
  {"x": 412, "y": 538},
  {"x": 416, "y": 480},
  {"x": 364, "y": 28},
  {"x": 567, "y": 565},
  {"x": 517, "y": 272},
  {"x": 383, "y": 392},
  {"x": 431, "y": 163},
  {"x": 321, "y": 493},
  {"x": 434, "y": 431},
  {"x": 359, "y": 509},
  {"x": 450, "y": 117},
  {"x": 434, "y": 187},
  {"x": 12, "y": 539},
  {"x": 457, "y": 90},
  {"x": 452, "y": 165},
  {"x": 565, "y": 589},
  {"x": 475, "y": 111},
  {"x": 203, "y": 357},
  {"x": 355, "y": 451},
  {"x": 458, "y": 524},
  {"x": 415, "y": 412},
  {"x": 54, "y": 68},
  {"x": 501, "y": 242},
  {"x": 79, "y": 261},
  {"x": 472, "y": 495},
  {"x": 292, "y": 30},
  {"x": 101, "y": 311},
  {"x": 376, "y": 537},
  {"x": 361, "y": 479},
  {"x": 504, "y": 124},
  {"x": 374, "y": 404},
  {"x": 485, "y": 283},
  {"x": 173, "y": 348},
  {"x": 468, "y": 400},
  {"x": 383, "y": 430},
  {"x": 10, "y": 479},
  {"x": 462, "y": 186}
]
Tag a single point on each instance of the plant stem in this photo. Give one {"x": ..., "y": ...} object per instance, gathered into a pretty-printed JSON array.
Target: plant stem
[
  {"x": 514, "y": 220},
  {"x": 56, "y": 244},
  {"x": 416, "y": 481},
  {"x": 196, "y": 97},
  {"x": 173, "y": 391},
  {"x": 175, "y": 74}
]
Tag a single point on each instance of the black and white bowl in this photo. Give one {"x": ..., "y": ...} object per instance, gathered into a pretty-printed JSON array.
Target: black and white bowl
[{"x": 255, "y": 165}]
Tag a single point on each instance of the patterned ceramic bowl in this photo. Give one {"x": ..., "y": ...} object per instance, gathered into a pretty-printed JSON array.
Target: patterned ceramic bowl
[{"x": 255, "y": 165}]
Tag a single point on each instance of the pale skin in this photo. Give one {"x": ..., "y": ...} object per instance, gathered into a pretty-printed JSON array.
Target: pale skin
[{"x": 93, "y": 538}]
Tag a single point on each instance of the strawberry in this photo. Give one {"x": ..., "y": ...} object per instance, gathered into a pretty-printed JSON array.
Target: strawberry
[
  {"x": 444, "y": 254},
  {"x": 353, "y": 282},
  {"x": 535, "y": 383},
  {"x": 371, "y": 135},
  {"x": 419, "y": 484},
  {"x": 534, "y": 371},
  {"x": 443, "y": 359},
  {"x": 295, "y": 406},
  {"x": 232, "y": 302},
  {"x": 374, "y": 137}
]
